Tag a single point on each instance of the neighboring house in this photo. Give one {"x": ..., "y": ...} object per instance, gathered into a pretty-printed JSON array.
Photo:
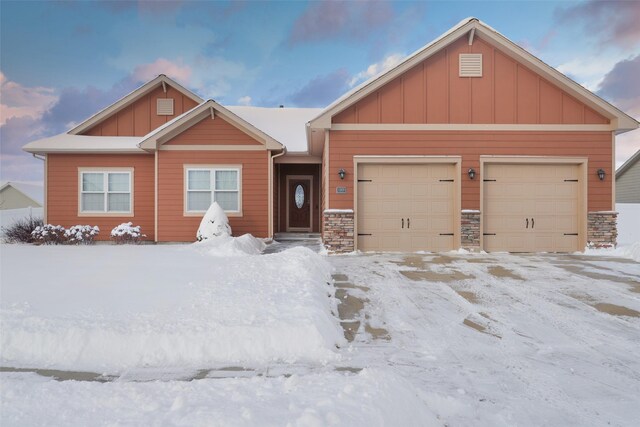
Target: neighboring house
[
  {"x": 628, "y": 180},
  {"x": 469, "y": 142},
  {"x": 18, "y": 195}
]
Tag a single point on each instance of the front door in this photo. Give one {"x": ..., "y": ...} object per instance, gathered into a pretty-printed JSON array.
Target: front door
[{"x": 299, "y": 203}]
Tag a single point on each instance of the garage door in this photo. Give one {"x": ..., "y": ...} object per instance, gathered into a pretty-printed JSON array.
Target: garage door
[
  {"x": 405, "y": 207},
  {"x": 531, "y": 208}
]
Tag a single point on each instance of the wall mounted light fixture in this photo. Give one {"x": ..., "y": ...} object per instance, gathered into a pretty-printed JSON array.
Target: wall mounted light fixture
[
  {"x": 472, "y": 173},
  {"x": 342, "y": 173},
  {"x": 601, "y": 174}
]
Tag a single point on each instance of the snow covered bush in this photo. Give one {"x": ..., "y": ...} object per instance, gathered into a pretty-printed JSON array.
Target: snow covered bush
[
  {"x": 49, "y": 234},
  {"x": 20, "y": 231},
  {"x": 214, "y": 224},
  {"x": 81, "y": 234},
  {"x": 127, "y": 233}
]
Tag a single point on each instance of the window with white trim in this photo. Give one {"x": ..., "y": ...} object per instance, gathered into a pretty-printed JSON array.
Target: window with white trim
[
  {"x": 206, "y": 185},
  {"x": 105, "y": 192}
]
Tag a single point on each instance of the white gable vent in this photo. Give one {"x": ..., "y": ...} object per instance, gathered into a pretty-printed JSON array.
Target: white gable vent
[
  {"x": 165, "y": 106},
  {"x": 470, "y": 65}
]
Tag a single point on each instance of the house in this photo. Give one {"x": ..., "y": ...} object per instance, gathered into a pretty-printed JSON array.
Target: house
[
  {"x": 469, "y": 142},
  {"x": 18, "y": 195},
  {"x": 628, "y": 180}
]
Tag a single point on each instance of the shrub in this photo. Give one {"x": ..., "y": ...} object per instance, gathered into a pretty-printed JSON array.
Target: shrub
[
  {"x": 49, "y": 234},
  {"x": 127, "y": 233},
  {"x": 81, "y": 234},
  {"x": 20, "y": 231}
]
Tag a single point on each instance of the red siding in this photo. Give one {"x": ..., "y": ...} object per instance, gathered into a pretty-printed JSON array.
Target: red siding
[
  {"x": 140, "y": 118},
  {"x": 432, "y": 92},
  {"x": 216, "y": 131},
  {"x": 173, "y": 226},
  {"x": 62, "y": 190},
  {"x": 596, "y": 146}
]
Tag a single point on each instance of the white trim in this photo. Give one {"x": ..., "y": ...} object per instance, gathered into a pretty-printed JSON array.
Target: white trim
[
  {"x": 301, "y": 159},
  {"x": 209, "y": 147},
  {"x": 46, "y": 188},
  {"x": 471, "y": 127},
  {"x": 310, "y": 198},
  {"x": 327, "y": 153},
  {"x": 212, "y": 169},
  {"x": 155, "y": 198},
  {"x": 105, "y": 171}
]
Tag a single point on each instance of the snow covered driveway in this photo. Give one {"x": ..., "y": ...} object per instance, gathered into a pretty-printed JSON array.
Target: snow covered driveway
[{"x": 503, "y": 339}]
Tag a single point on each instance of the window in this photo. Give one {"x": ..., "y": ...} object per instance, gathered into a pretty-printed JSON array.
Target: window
[
  {"x": 206, "y": 185},
  {"x": 105, "y": 191}
]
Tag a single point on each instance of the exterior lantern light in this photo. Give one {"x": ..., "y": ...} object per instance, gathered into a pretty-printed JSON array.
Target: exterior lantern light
[
  {"x": 342, "y": 173},
  {"x": 601, "y": 174},
  {"x": 472, "y": 173}
]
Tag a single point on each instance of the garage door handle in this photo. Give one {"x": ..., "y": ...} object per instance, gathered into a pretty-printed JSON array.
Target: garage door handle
[
  {"x": 408, "y": 222},
  {"x": 533, "y": 223},
  {"x": 402, "y": 222},
  {"x": 527, "y": 223}
]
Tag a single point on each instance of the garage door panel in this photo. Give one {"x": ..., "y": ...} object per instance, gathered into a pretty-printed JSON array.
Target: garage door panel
[
  {"x": 528, "y": 194},
  {"x": 415, "y": 193}
]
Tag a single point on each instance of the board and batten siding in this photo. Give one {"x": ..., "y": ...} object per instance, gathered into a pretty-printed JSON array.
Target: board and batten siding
[
  {"x": 174, "y": 226},
  {"x": 344, "y": 145},
  {"x": 215, "y": 131},
  {"x": 63, "y": 183},
  {"x": 628, "y": 185},
  {"x": 432, "y": 92},
  {"x": 140, "y": 118}
]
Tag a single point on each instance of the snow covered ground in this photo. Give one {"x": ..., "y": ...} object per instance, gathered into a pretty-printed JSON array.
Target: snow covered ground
[
  {"x": 109, "y": 309},
  {"x": 207, "y": 334}
]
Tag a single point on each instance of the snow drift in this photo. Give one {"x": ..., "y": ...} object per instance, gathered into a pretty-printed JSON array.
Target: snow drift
[{"x": 111, "y": 308}]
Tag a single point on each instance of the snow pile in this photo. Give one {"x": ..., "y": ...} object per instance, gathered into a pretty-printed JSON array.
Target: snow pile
[
  {"x": 226, "y": 245},
  {"x": 371, "y": 398},
  {"x": 628, "y": 233},
  {"x": 214, "y": 224},
  {"x": 111, "y": 308},
  {"x": 81, "y": 234}
]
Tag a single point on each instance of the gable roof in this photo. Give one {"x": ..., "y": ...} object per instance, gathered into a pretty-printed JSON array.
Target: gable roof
[
  {"x": 287, "y": 125},
  {"x": 32, "y": 191},
  {"x": 196, "y": 114},
  {"x": 620, "y": 120},
  {"x": 130, "y": 98},
  {"x": 627, "y": 165}
]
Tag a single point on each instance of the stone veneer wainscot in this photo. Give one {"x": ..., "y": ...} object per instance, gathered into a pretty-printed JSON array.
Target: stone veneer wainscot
[
  {"x": 470, "y": 230},
  {"x": 337, "y": 230},
  {"x": 602, "y": 230}
]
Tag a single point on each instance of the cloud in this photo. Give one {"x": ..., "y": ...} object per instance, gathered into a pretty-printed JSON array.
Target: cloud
[
  {"x": 621, "y": 83},
  {"x": 611, "y": 21},
  {"x": 175, "y": 70},
  {"x": 620, "y": 87},
  {"x": 245, "y": 100},
  {"x": 340, "y": 19},
  {"x": 376, "y": 68},
  {"x": 322, "y": 90},
  {"x": 17, "y": 100}
]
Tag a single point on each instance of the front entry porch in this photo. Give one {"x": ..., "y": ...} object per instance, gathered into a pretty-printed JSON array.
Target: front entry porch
[{"x": 297, "y": 196}]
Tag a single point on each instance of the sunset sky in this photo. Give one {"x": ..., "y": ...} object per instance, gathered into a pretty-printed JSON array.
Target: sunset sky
[{"x": 60, "y": 62}]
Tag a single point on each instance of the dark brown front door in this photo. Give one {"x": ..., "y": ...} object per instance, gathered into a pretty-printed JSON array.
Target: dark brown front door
[{"x": 299, "y": 204}]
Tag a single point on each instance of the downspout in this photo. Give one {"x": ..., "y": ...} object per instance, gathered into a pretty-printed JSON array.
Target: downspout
[
  {"x": 272, "y": 213},
  {"x": 36, "y": 156},
  {"x": 44, "y": 208}
]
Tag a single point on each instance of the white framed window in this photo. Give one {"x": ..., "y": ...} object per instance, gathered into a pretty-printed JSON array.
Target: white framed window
[
  {"x": 206, "y": 184},
  {"x": 106, "y": 192}
]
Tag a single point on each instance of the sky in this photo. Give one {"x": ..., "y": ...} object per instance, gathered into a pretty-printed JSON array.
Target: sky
[{"x": 60, "y": 62}]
